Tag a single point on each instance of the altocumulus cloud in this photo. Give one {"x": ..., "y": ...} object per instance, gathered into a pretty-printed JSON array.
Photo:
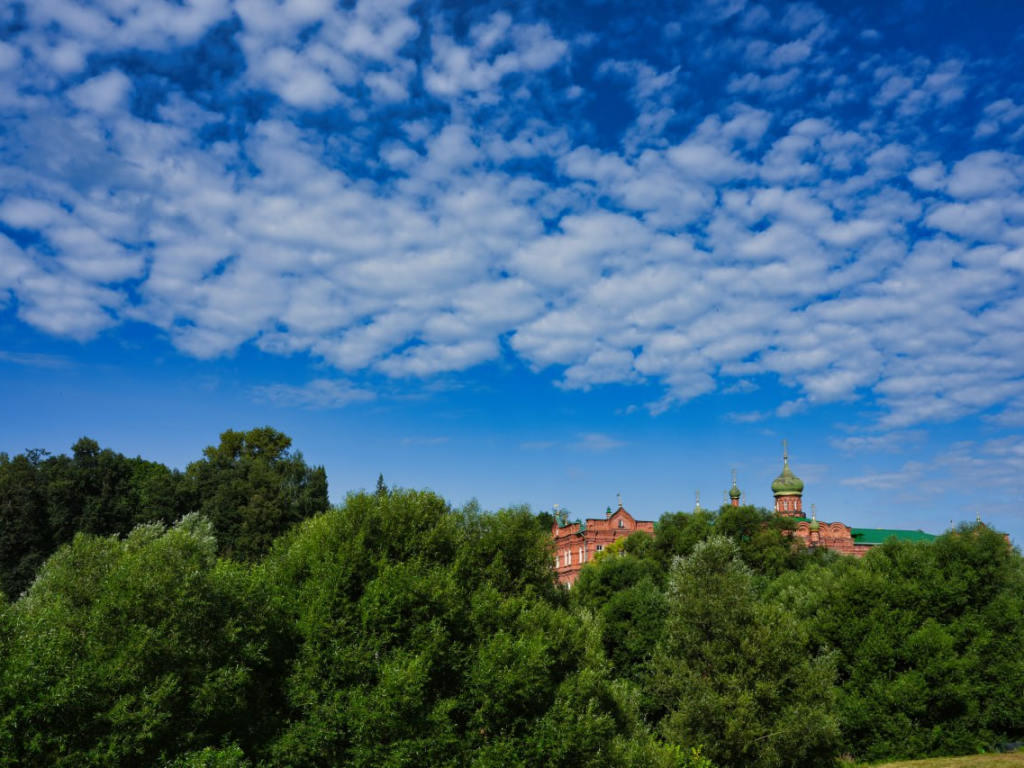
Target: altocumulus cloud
[{"x": 414, "y": 189}]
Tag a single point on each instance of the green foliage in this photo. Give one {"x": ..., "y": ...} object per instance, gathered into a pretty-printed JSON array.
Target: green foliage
[
  {"x": 759, "y": 535},
  {"x": 678, "y": 533},
  {"x": 212, "y": 757},
  {"x": 436, "y": 636},
  {"x": 761, "y": 539},
  {"x": 735, "y": 673},
  {"x": 396, "y": 630},
  {"x": 126, "y": 652},
  {"x": 252, "y": 488},
  {"x": 25, "y": 538},
  {"x": 928, "y": 639},
  {"x": 46, "y": 500}
]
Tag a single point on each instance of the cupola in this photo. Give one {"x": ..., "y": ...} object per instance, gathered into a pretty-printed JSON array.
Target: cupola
[
  {"x": 734, "y": 492},
  {"x": 788, "y": 489}
]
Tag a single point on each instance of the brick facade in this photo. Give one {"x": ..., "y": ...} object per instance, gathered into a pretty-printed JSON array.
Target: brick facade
[{"x": 576, "y": 543}]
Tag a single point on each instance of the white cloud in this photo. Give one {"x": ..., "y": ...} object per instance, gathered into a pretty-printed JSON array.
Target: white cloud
[
  {"x": 35, "y": 359},
  {"x": 986, "y": 173},
  {"x": 421, "y": 196},
  {"x": 103, "y": 94},
  {"x": 62, "y": 34},
  {"x": 499, "y": 48},
  {"x": 596, "y": 441},
  {"x": 317, "y": 394},
  {"x": 909, "y": 474}
]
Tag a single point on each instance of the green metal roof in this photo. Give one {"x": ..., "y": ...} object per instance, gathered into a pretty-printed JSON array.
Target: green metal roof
[
  {"x": 879, "y": 535},
  {"x": 787, "y": 484}
]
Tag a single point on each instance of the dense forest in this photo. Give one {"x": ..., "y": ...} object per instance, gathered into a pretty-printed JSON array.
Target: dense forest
[{"x": 227, "y": 615}]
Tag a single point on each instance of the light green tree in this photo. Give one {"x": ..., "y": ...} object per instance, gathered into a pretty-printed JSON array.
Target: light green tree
[{"x": 734, "y": 673}]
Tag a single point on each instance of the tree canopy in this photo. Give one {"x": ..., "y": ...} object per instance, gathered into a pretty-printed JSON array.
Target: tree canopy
[{"x": 227, "y": 615}]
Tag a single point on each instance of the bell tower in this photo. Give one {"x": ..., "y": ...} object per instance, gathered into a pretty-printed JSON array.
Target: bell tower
[{"x": 788, "y": 489}]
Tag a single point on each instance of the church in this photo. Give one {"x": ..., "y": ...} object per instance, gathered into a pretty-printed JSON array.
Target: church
[
  {"x": 788, "y": 490},
  {"x": 576, "y": 543}
]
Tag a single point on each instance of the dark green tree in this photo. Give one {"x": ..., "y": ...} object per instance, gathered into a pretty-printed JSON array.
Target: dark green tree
[
  {"x": 677, "y": 533},
  {"x": 25, "y": 539},
  {"x": 253, "y": 488},
  {"x": 89, "y": 492},
  {"x": 160, "y": 495},
  {"x": 928, "y": 639},
  {"x": 762, "y": 538}
]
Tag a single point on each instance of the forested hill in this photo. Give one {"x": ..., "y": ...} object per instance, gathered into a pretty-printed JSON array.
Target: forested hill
[{"x": 397, "y": 630}]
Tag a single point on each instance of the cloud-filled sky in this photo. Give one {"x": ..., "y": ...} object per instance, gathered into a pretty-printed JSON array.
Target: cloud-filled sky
[{"x": 528, "y": 252}]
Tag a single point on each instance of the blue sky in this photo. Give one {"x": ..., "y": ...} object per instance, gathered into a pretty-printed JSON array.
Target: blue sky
[{"x": 528, "y": 252}]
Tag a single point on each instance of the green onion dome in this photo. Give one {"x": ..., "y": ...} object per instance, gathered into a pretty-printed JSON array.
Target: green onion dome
[
  {"x": 814, "y": 525},
  {"x": 787, "y": 484},
  {"x": 734, "y": 492}
]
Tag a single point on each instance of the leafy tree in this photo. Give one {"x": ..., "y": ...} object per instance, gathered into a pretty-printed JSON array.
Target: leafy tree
[
  {"x": 437, "y": 636},
  {"x": 632, "y": 621},
  {"x": 928, "y": 640},
  {"x": 734, "y": 673},
  {"x": 89, "y": 492},
  {"x": 603, "y": 578},
  {"x": 160, "y": 495},
  {"x": 252, "y": 488},
  {"x": 382, "y": 488},
  {"x": 762, "y": 538},
  {"x": 545, "y": 521},
  {"x": 131, "y": 652},
  {"x": 677, "y": 533},
  {"x": 25, "y": 538},
  {"x": 46, "y": 500}
]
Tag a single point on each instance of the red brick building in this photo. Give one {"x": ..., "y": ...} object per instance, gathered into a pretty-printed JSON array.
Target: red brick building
[
  {"x": 577, "y": 542},
  {"x": 788, "y": 491}
]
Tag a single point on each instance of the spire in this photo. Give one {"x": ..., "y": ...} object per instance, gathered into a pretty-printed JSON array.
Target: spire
[
  {"x": 619, "y": 495},
  {"x": 697, "y": 508}
]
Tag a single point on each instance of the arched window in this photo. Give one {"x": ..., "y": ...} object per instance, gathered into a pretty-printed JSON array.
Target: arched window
[{"x": 622, "y": 523}]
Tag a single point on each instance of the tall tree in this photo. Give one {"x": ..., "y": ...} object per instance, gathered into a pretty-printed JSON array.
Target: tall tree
[
  {"x": 253, "y": 488},
  {"x": 735, "y": 673},
  {"x": 25, "y": 538}
]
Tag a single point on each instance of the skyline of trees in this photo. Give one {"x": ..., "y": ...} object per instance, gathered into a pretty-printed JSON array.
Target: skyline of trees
[{"x": 228, "y": 615}]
